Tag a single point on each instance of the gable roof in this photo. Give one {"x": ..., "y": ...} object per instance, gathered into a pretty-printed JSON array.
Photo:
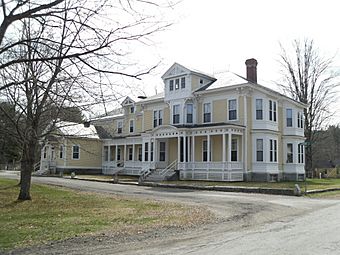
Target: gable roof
[
  {"x": 178, "y": 69},
  {"x": 72, "y": 129}
]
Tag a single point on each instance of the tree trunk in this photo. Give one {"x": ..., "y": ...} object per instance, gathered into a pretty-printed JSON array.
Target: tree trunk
[
  {"x": 25, "y": 181},
  {"x": 27, "y": 165}
]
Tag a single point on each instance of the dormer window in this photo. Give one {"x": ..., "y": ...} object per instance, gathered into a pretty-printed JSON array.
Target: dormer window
[
  {"x": 171, "y": 85},
  {"x": 132, "y": 109},
  {"x": 182, "y": 82},
  {"x": 177, "y": 84}
]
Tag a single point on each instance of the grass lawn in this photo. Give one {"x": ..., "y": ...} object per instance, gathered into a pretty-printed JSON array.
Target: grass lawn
[
  {"x": 58, "y": 213},
  {"x": 311, "y": 184}
]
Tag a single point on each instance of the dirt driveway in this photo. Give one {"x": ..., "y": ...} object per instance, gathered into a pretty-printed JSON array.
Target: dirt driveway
[{"x": 238, "y": 216}]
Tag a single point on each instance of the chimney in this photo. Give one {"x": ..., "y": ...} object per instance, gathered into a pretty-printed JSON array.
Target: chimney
[{"x": 251, "y": 70}]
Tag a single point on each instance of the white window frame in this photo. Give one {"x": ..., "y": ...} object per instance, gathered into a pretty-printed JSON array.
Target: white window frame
[
  {"x": 118, "y": 123},
  {"x": 173, "y": 113},
  {"x": 203, "y": 141},
  {"x": 292, "y": 152},
  {"x": 73, "y": 146},
  {"x": 171, "y": 85},
  {"x": 256, "y": 150},
  {"x": 133, "y": 125},
  {"x": 159, "y": 118},
  {"x": 181, "y": 82},
  {"x": 301, "y": 159},
  {"x": 186, "y": 113},
  {"x": 203, "y": 112},
  {"x": 236, "y": 105},
  {"x": 272, "y": 150},
  {"x": 256, "y": 100},
  {"x": 272, "y": 110},
  {"x": 289, "y": 110}
]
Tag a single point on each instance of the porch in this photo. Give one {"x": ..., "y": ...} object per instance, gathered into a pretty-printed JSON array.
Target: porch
[{"x": 210, "y": 153}]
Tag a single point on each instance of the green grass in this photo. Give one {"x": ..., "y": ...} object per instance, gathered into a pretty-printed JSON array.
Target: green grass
[
  {"x": 311, "y": 184},
  {"x": 58, "y": 213},
  {"x": 328, "y": 195}
]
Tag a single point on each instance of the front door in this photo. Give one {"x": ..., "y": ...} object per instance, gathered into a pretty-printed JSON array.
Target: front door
[{"x": 162, "y": 155}]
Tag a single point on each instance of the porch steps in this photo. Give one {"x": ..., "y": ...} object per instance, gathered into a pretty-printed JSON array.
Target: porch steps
[{"x": 157, "y": 176}]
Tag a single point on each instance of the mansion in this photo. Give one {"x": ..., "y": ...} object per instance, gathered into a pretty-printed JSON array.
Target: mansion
[{"x": 219, "y": 128}]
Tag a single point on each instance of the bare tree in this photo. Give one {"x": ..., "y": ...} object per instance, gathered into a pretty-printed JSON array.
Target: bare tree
[
  {"x": 54, "y": 54},
  {"x": 308, "y": 78}
]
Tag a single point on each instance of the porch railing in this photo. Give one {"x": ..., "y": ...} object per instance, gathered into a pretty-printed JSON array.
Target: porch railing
[
  {"x": 169, "y": 168},
  {"x": 210, "y": 165}
]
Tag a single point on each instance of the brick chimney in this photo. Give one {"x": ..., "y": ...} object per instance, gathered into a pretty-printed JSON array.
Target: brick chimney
[{"x": 251, "y": 70}]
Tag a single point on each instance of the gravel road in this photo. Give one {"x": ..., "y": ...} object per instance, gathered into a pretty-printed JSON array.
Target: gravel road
[{"x": 247, "y": 223}]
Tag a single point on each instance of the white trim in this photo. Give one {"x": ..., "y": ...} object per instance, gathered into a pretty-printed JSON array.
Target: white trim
[
  {"x": 133, "y": 126},
  {"x": 211, "y": 111},
  {"x": 78, "y": 152},
  {"x": 237, "y": 110}
]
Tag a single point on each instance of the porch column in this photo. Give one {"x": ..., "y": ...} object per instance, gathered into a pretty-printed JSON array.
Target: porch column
[
  {"x": 178, "y": 149},
  {"x": 193, "y": 149},
  {"x": 149, "y": 150},
  {"x": 155, "y": 150},
  {"x": 143, "y": 151},
  {"x": 208, "y": 149},
  {"x": 229, "y": 147},
  {"x": 124, "y": 157},
  {"x": 184, "y": 148},
  {"x": 133, "y": 152},
  {"x": 223, "y": 148},
  {"x": 116, "y": 154},
  {"x": 109, "y": 153},
  {"x": 189, "y": 148}
]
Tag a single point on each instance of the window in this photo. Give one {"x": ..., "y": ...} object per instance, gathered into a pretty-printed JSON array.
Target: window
[
  {"x": 272, "y": 110},
  {"x": 182, "y": 82},
  {"x": 175, "y": 114},
  {"x": 289, "y": 153},
  {"x": 130, "y": 151},
  {"x": 190, "y": 110},
  {"x": 45, "y": 152},
  {"x": 61, "y": 151},
  {"x": 205, "y": 151},
  {"x": 259, "y": 109},
  {"x": 300, "y": 154},
  {"x": 75, "y": 152},
  {"x": 162, "y": 151},
  {"x": 177, "y": 84},
  {"x": 151, "y": 152},
  {"x": 259, "y": 150},
  {"x": 232, "y": 109},
  {"x": 206, "y": 112},
  {"x": 171, "y": 85},
  {"x": 132, "y": 109},
  {"x": 289, "y": 117},
  {"x": 106, "y": 153},
  {"x": 146, "y": 152},
  {"x": 234, "y": 150},
  {"x": 157, "y": 118},
  {"x": 118, "y": 154},
  {"x": 273, "y": 150},
  {"x": 131, "y": 126},
  {"x": 300, "y": 120},
  {"x": 201, "y": 81},
  {"x": 119, "y": 127}
]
